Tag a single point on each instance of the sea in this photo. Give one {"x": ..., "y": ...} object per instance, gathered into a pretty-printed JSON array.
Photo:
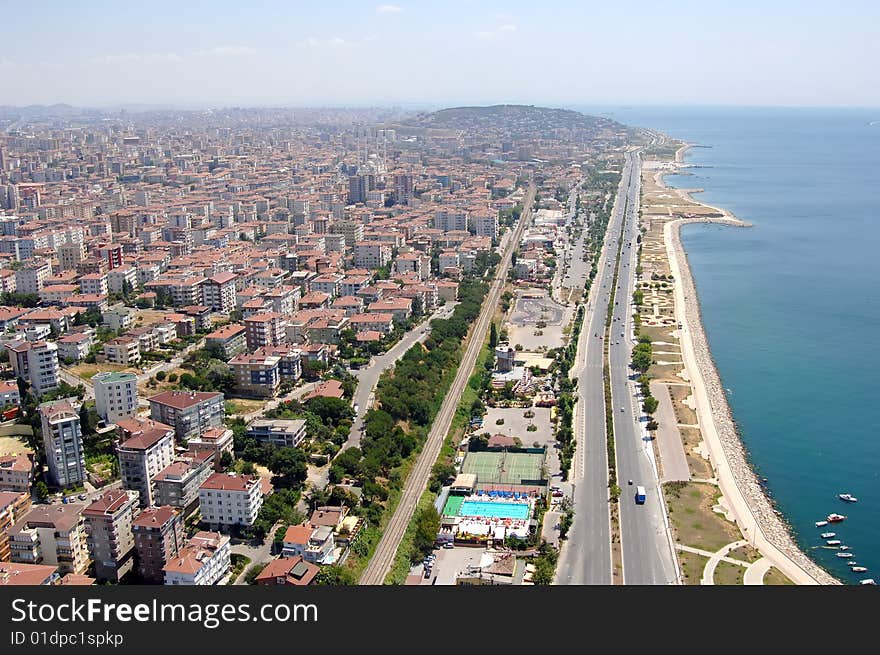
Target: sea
[{"x": 791, "y": 306}]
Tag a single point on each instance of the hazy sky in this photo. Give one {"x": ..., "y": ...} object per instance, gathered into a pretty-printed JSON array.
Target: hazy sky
[{"x": 335, "y": 52}]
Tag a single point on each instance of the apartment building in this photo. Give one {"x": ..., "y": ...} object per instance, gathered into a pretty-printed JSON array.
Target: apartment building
[
  {"x": 16, "y": 473},
  {"x": 374, "y": 322},
  {"x": 230, "y": 340},
  {"x": 123, "y": 350},
  {"x": 62, "y": 439},
  {"x": 9, "y": 393},
  {"x": 75, "y": 347},
  {"x": 218, "y": 292},
  {"x": 108, "y": 522},
  {"x": 205, "y": 560},
  {"x": 13, "y": 506},
  {"x": 146, "y": 447},
  {"x": 278, "y": 432},
  {"x": 228, "y": 500},
  {"x": 116, "y": 395},
  {"x": 36, "y": 362},
  {"x": 94, "y": 284},
  {"x": 451, "y": 220},
  {"x": 484, "y": 223},
  {"x": 256, "y": 375},
  {"x": 371, "y": 254},
  {"x": 54, "y": 535},
  {"x": 178, "y": 483},
  {"x": 215, "y": 442},
  {"x": 158, "y": 538},
  {"x": 31, "y": 278},
  {"x": 264, "y": 329},
  {"x": 189, "y": 412}
]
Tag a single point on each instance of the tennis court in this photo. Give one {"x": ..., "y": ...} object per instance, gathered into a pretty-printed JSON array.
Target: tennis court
[{"x": 504, "y": 467}]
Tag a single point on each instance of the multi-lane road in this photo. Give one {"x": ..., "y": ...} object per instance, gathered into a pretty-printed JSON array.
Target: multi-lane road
[
  {"x": 648, "y": 557},
  {"x": 646, "y": 551},
  {"x": 417, "y": 480}
]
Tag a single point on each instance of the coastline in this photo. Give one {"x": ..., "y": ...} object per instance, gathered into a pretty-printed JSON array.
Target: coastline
[{"x": 754, "y": 514}]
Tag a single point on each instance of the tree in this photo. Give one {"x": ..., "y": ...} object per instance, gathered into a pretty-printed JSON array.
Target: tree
[
  {"x": 427, "y": 526},
  {"x": 335, "y": 576},
  {"x": 226, "y": 459},
  {"x": 493, "y": 335},
  {"x": 330, "y": 410},
  {"x": 41, "y": 490},
  {"x": 289, "y": 465},
  {"x": 650, "y": 404},
  {"x": 641, "y": 360}
]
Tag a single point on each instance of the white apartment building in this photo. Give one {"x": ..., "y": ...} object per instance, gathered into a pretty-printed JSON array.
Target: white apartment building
[
  {"x": 116, "y": 395},
  {"x": 206, "y": 560},
  {"x": 148, "y": 449},
  {"x": 371, "y": 254},
  {"x": 42, "y": 360},
  {"x": 62, "y": 439},
  {"x": 227, "y": 500}
]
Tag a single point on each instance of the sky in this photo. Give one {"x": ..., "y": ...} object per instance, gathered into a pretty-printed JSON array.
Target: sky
[{"x": 411, "y": 53}]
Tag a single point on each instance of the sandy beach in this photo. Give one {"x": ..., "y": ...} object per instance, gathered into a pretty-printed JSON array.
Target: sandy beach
[{"x": 753, "y": 513}]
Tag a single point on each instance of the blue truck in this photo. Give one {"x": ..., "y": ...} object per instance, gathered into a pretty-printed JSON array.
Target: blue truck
[{"x": 640, "y": 495}]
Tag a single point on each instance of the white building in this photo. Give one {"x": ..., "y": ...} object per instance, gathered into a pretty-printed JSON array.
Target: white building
[
  {"x": 42, "y": 358},
  {"x": 227, "y": 500},
  {"x": 116, "y": 395},
  {"x": 148, "y": 447},
  {"x": 62, "y": 439},
  {"x": 206, "y": 560}
]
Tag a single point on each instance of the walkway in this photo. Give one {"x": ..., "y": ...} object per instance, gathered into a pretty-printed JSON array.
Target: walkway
[
  {"x": 709, "y": 571},
  {"x": 672, "y": 455},
  {"x": 756, "y": 572}
]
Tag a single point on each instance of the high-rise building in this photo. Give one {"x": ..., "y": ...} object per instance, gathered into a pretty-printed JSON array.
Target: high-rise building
[
  {"x": 147, "y": 447},
  {"x": 158, "y": 538},
  {"x": 62, "y": 439},
  {"x": 116, "y": 395},
  {"x": 108, "y": 526}
]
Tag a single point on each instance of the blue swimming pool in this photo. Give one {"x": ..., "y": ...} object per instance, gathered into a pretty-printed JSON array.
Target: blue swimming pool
[{"x": 494, "y": 510}]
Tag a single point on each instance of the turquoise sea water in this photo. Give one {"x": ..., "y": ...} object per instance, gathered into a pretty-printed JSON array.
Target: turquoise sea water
[{"x": 791, "y": 306}]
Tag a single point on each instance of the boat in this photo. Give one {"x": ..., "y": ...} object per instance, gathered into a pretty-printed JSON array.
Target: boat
[
  {"x": 867, "y": 581},
  {"x": 845, "y": 554},
  {"x": 849, "y": 498},
  {"x": 833, "y": 542},
  {"x": 844, "y": 548},
  {"x": 859, "y": 569},
  {"x": 828, "y": 535},
  {"x": 852, "y": 563},
  {"x": 819, "y": 524},
  {"x": 835, "y": 518}
]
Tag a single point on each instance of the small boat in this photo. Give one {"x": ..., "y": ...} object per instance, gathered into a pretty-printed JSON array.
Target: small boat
[
  {"x": 845, "y": 554},
  {"x": 819, "y": 524},
  {"x": 859, "y": 569},
  {"x": 867, "y": 581},
  {"x": 849, "y": 498},
  {"x": 833, "y": 542},
  {"x": 835, "y": 518},
  {"x": 844, "y": 548},
  {"x": 852, "y": 563},
  {"x": 828, "y": 535}
]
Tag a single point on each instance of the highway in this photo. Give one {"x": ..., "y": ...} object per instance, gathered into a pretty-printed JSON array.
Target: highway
[
  {"x": 383, "y": 558},
  {"x": 648, "y": 557},
  {"x": 586, "y": 557}
]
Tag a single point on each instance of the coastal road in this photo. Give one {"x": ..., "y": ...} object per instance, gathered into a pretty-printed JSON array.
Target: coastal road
[
  {"x": 648, "y": 555},
  {"x": 586, "y": 557},
  {"x": 417, "y": 480}
]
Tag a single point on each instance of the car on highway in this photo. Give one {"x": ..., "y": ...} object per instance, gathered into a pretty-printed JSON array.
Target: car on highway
[{"x": 621, "y": 409}]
